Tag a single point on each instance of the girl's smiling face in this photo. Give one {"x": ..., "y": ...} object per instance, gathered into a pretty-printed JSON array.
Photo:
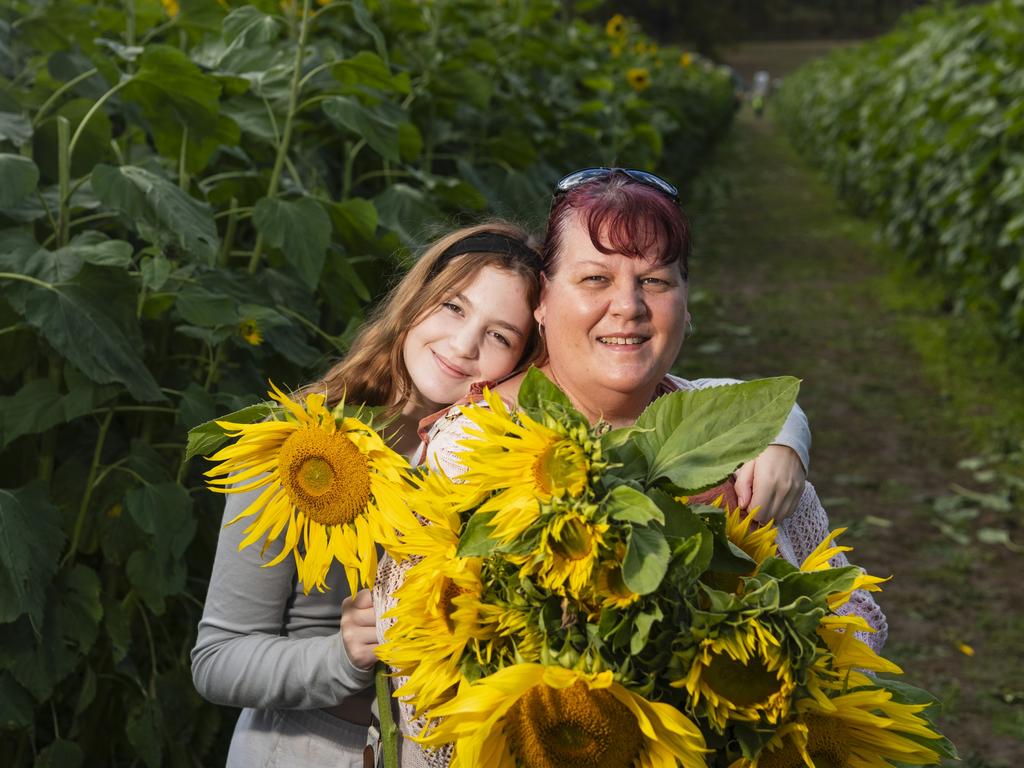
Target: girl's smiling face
[{"x": 477, "y": 334}]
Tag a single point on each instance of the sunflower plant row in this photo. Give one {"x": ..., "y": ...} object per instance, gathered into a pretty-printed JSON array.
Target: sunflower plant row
[
  {"x": 922, "y": 128},
  {"x": 199, "y": 195},
  {"x": 568, "y": 602}
]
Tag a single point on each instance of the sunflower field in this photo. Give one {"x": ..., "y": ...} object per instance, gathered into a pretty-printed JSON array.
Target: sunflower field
[
  {"x": 924, "y": 129},
  {"x": 198, "y": 195}
]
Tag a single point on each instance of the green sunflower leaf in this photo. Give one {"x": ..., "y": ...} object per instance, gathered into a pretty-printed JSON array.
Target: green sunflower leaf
[
  {"x": 646, "y": 560},
  {"x": 20, "y": 177},
  {"x": 476, "y": 539},
  {"x": 538, "y": 395},
  {"x": 699, "y": 436},
  {"x": 627, "y": 505},
  {"x": 30, "y": 544},
  {"x": 209, "y": 436}
]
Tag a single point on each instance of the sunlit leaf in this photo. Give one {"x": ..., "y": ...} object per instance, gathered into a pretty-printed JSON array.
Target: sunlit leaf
[{"x": 699, "y": 436}]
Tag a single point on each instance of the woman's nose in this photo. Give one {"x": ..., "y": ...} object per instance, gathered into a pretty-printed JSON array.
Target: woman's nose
[{"x": 628, "y": 301}]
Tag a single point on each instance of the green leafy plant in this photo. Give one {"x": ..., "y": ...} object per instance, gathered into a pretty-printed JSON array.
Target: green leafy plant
[
  {"x": 197, "y": 197},
  {"x": 922, "y": 128}
]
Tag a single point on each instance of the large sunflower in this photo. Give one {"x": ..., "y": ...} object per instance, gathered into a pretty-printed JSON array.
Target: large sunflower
[
  {"x": 863, "y": 728},
  {"x": 569, "y": 548},
  {"x": 331, "y": 486},
  {"x": 536, "y": 716},
  {"x": 525, "y": 462},
  {"x": 740, "y": 672},
  {"x": 439, "y": 614}
]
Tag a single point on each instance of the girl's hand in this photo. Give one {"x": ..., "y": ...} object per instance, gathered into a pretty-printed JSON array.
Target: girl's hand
[
  {"x": 359, "y": 629},
  {"x": 771, "y": 483}
]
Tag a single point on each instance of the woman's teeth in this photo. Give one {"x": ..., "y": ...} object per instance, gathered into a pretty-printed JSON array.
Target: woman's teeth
[{"x": 621, "y": 340}]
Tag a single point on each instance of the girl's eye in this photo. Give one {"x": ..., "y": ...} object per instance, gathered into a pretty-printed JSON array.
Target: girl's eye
[
  {"x": 451, "y": 306},
  {"x": 500, "y": 339}
]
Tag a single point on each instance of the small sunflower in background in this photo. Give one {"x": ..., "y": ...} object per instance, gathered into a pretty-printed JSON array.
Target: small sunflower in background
[
  {"x": 639, "y": 78},
  {"x": 250, "y": 332},
  {"x": 171, "y": 7},
  {"x": 551, "y": 716},
  {"x": 616, "y": 26},
  {"x": 330, "y": 485},
  {"x": 686, "y": 60}
]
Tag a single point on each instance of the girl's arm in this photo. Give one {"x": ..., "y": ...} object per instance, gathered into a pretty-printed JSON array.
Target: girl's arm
[{"x": 242, "y": 656}]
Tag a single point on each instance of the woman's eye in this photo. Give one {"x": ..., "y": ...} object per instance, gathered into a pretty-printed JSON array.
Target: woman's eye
[
  {"x": 656, "y": 282},
  {"x": 594, "y": 279}
]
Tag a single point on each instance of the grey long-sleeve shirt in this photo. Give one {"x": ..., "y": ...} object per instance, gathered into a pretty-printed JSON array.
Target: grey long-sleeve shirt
[{"x": 264, "y": 644}]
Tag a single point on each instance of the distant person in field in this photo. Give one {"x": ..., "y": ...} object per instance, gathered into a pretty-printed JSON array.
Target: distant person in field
[{"x": 759, "y": 92}]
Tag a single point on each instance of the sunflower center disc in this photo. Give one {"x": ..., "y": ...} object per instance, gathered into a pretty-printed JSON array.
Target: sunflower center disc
[
  {"x": 825, "y": 745},
  {"x": 559, "y": 469},
  {"x": 573, "y": 727},
  {"x": 315, "y": 476},
  {"x": 574, "y": 541},
  {"x": 325, "y": 475},
  {"x": 825, "y": 742},
  {"x": 447, "y": 606},
  {"x": 744, "y": 685}
]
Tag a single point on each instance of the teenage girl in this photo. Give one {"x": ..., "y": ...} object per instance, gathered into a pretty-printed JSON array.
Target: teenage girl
[{"x": 301, "y": 666}]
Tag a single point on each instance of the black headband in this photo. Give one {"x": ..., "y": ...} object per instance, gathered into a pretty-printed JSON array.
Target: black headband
[{"x": 487, "y": 242}]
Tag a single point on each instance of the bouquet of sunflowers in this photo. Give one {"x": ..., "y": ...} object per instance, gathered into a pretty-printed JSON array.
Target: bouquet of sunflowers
[
  {"x": 567, "y": 605},
  {"x": 330, "y": 485}
]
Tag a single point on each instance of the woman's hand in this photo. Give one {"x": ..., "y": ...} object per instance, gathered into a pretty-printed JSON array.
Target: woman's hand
[
  {"x": 771, "y": 483},
  {"x": 359, "y": 629}
]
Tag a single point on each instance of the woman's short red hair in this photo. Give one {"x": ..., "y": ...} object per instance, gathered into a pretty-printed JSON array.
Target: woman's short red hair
[{"x": 622, "y": 216}]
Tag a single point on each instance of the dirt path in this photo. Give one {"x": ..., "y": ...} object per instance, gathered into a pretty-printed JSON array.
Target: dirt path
[{"x": 785, "y": 282}]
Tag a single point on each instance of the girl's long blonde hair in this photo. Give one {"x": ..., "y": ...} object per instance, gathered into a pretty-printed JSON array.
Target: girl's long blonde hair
[{"x": 374, "y": 372}]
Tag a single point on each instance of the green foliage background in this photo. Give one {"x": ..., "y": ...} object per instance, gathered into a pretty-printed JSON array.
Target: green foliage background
[
  {"x": 924, "y": 128},
  {"x": 195, "y": 198}
]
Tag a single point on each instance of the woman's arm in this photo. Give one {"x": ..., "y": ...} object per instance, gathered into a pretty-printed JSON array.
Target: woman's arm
[{"x": 242, "y": 657}]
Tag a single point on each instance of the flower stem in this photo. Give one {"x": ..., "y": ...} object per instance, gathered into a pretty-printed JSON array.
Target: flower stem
[
  {"x": 388, "y": 730},
  {"x": 286, "y": 134},
  {"x": 89, "y": 485}
]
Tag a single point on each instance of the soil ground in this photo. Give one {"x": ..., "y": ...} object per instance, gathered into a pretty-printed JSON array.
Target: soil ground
[{"x": 784, "y": 281}]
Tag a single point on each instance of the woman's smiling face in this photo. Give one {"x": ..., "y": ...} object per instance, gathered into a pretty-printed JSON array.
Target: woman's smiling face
[
  {"x": 479, "y": 333},
  {"x": 613, "y": 324}
]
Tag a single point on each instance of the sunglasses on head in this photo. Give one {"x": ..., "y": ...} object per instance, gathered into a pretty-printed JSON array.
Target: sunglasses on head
[{"x": 578, "y": 178}]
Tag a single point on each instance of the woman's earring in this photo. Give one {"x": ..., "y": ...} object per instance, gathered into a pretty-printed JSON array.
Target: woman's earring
[{"x": 689, "y": 327}]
